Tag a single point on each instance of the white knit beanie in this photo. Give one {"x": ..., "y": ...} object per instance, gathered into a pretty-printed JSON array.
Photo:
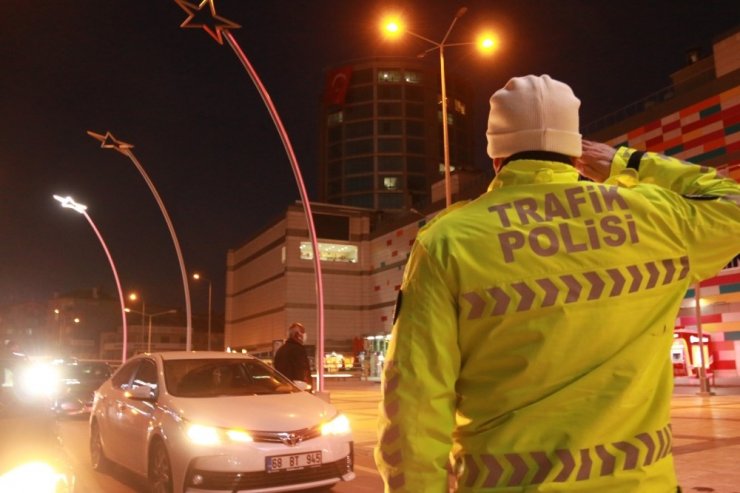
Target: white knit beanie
[{"x": 533, "y": 113}]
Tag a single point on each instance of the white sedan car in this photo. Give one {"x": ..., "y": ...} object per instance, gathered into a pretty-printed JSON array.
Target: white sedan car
[{"x": 211, "y": 421}]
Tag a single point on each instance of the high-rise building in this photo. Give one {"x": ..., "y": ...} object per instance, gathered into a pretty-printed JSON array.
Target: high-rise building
[{"x": 381, "y": 133}]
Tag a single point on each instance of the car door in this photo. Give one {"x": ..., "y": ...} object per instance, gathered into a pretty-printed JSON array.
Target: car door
[
  {"x": 137, "y": 415},
  {"x": 111, "y": 406}
]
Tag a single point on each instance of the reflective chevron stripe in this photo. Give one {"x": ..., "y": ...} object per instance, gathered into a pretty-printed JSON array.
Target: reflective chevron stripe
[
  {"x": 559, "y": 466},
  {"x": 527, "y": 295}
]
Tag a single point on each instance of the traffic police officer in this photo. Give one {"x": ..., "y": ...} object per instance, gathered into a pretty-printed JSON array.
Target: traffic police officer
[{"x": 530, "y": 350}]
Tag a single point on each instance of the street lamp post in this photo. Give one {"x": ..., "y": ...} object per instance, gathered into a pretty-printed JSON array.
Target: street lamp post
[
  {"x": 110, "y": 142},
  {"x": 395, "y": 27},
  {"x": 198, "y": 277},
  {"x": 69, "y": 203},
  {"x": 149, "y": 331},
  {"x": 134, "y": 297}
]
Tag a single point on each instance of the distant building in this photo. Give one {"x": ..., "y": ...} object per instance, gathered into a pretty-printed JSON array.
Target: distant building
[
  {"x": 381, "y": 132},
  {"x": 76, "y": 320},
  {"x": 270, "y": 279}
]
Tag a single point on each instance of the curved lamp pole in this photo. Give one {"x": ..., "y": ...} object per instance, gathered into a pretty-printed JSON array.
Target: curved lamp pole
[
  {"x": 218, "y": 27},
  {"x": 199, "y": 277},
  {"x": 110, "y": 142},
  {"x": 394, "y": 27},
  {"x": 69, "y": 203}
]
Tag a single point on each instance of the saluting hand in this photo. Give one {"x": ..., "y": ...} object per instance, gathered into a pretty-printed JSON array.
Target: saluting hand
[{"x": 596, "y": 161}]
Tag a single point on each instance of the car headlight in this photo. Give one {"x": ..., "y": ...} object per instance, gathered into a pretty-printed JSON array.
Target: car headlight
[
  {"x": 34, "y": 477},
  {"x": 337, "y": 426},
  {"x": 211, "y": 435},
  {"x": 40, "y": 380}
]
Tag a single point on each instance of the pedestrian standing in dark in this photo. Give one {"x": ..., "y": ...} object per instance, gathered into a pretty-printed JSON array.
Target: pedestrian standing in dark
[{"x": 291, "y": 359}]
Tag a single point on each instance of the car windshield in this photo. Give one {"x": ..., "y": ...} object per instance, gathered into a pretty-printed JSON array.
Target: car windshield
[
  {"x": 217, "y": 377},
  {"x": 87, "y": 371}
]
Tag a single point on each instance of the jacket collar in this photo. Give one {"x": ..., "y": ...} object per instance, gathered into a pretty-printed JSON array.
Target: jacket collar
[{"x": 528, "y": 172}]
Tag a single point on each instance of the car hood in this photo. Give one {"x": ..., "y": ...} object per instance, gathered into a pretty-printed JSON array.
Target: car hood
[{"x": 276, "y": 412}]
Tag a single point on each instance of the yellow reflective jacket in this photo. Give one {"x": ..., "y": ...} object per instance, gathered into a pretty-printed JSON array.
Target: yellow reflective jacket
[{"x": 530, "y": 350}]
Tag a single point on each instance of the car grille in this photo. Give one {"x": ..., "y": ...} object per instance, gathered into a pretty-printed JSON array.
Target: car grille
[
  {"x": 289, "y": 438},
  {"x": 233, "y": 481}
]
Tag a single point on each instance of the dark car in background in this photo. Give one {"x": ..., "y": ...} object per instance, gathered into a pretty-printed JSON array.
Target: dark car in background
[{"x": 78, "y": 381}]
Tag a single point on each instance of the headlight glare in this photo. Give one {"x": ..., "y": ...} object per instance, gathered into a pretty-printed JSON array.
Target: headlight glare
[
  {"x": 34, "y": 477},
  {"x": 239, "y": 436},
  {"x": 40, "y": 380},
  {"x": 203, "y": 435},
  {"x": 211, "y": 435},
  {"x": 337, "y": 426}
]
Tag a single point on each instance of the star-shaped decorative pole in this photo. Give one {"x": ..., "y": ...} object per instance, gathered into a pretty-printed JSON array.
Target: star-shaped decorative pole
[
  {"x": 198, "y": 17},
  {"x": 222, "y": 27},
  {"x": 109, "y": 142},
  {"x": 69, "y": 203}
]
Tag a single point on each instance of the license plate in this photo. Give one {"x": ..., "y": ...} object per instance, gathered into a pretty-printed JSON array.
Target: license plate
[{"x": 292, "y": 461}]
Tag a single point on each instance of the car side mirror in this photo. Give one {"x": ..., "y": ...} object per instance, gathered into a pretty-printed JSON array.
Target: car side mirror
[
  {"x": 141, "y": 393},
  {"x": 301, "y": 385}
]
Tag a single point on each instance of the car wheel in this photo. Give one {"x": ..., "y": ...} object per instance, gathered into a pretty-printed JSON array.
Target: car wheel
[
  {"x": 160, "y": 472},
  {"x": 97, "y": 457}
]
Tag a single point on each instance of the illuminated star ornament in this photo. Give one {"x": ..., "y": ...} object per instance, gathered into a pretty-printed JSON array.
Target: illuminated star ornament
[
  {"x": 107, "y": 141},
  {"x": 198, "y": 17}
]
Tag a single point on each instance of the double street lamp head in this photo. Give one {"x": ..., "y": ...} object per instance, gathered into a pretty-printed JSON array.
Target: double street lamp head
[{"x": 393, "y": 26}]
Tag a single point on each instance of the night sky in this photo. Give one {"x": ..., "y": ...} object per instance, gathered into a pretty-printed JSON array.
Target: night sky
[{"x": 202, "y": 133}]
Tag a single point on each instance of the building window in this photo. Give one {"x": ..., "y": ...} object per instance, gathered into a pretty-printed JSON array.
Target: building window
[
  {"x": 389, "y": 92},
  {"x": 335, "y": 133},
  {"x": 359, "y": 94},
  {"x": 390, "y": 127},
  {"x": 334, "y": 118},
  {"x": 450, "y": 118},
  {"x": 390, "y": 109},
  {"x": 390, "y": 163},
  {"x": 330, "y": 252},
  {"x": 414, "y": 128},
  {"x": 442, "y": 168},
  {"x": 359, "y": 165},
  {"x": 390, "y": 145},
  {"x": 335, "y": 187},
  {"x": 389, "y": 76},
  {"x": 412, "y": 77},
  {"x": 363, "y": 200},
  {"x": 459, "y": 106},
  {"x": 364, "y": 76},
  {"x": 335, "y": 151},
  {"x": 417, "y": 182},
  {"x": 415, "y": 164},
  {"x": 359, "y": 129},
  {"x": 359, "y": 184},
  {"x": 415, "y": 146},
  {"x": 414, "y": 110},
  {"x": 414, "y": 93},
  {"x": 391, "y": 183},
  {"x": 390, "y": 201},
  {"x": 358, "y": 112},
  {"x": 356, "y": 147}
]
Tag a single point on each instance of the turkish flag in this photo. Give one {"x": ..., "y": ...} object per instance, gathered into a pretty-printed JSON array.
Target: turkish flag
[{"x": 337, "y": 82}]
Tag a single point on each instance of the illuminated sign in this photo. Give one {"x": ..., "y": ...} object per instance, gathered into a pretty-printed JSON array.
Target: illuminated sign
[{"x": 330, "y": 252}]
